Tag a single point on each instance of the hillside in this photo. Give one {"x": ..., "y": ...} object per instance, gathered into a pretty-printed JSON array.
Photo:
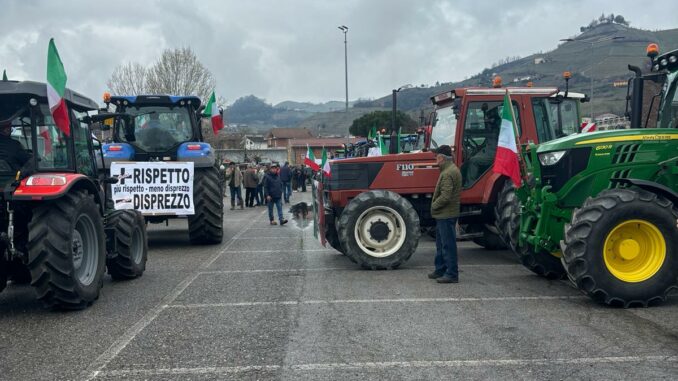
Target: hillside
[{"x": 605, "y": 63}]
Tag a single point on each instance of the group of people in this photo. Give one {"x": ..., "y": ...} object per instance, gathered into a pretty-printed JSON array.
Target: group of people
[
  {"x": 263, "y": 185},
  {"x": 294, "y": 178}
]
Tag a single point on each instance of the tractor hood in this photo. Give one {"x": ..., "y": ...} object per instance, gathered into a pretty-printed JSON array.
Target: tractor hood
[{"x": 608, "y": 137}]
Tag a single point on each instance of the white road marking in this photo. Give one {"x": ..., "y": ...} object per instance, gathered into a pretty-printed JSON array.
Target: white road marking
[
  {"x": 385, "y": 365},
  {"x": 285, "y": 251},
  {"x": 95, "y": 368},
  {"x": 352, "y": 268},
  {"x": 375, "y": 301}
]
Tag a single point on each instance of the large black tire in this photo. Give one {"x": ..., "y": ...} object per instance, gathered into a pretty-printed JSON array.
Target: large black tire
[
  {"x": 67, "y": 251},
  {"x": 507, "y": 215},
  {"x": 541, "y": 262},
  {"x": 129, "y": 261},
  {"x": 645, "y": 278},
  {"x": 389, "y": 216},
  {"x": 206, "y": 226},
  {"x": 489, "y": 240}
]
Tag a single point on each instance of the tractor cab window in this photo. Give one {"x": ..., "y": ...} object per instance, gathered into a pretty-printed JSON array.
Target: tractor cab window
[
  {"x": 479, "y": 141},
  {"x": 158, "y": 128},
  {"x": 82, "y": 137},
  {"x": 669, "y": 113},
  {"x": 51, "y": 148},
  {"x": 555, "y": 119},
  {"x": 444, "y": 126}
]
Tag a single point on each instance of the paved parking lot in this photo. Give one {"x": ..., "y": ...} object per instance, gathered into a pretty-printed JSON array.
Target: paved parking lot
[{"x": 271, "y": 303}]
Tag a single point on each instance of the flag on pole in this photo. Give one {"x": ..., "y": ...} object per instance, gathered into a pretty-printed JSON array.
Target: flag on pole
[
  {"x": 212, "y": 110},
  {"x": 382, "y": 146},
  {"x": 506, "y": 161},
  {"x": 373, "y": 133},
  {"x": 56, "y": 87},
  {"x": 4, "y": 75},
  {"x": 310, "y": 159},
  {"x": 325, "y": 164}
]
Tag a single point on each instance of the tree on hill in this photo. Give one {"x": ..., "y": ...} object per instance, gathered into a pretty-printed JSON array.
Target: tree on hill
[
  {"x": 249, "y": 108},
  {"x": 382, "y": 120},
  {"x": 609, "y": 19}
]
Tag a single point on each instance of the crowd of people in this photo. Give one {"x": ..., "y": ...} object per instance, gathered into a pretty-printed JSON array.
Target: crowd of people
[{"x": 264, "y": 185}]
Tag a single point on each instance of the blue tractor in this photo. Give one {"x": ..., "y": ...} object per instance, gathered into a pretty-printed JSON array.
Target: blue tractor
[{"x": 164, "y": 133}]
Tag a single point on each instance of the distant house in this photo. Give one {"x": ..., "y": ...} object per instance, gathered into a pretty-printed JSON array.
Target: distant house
[
  {"x": 297, "y": 148},
  {"x": 539, "y": 60},
  {"x": 280, "y": 137},
  {"x": 254, "y": 142}
]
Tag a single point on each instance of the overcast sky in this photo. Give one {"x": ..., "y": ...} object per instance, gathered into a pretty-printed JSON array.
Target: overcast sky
[{"x": 292, "y": 49}]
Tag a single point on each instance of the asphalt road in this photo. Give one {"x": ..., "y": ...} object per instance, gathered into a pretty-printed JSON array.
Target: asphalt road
[{"x": 271, "y": 303}]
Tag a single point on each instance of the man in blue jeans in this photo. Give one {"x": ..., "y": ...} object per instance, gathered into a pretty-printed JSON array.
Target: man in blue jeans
[
  {"x": 286, "y": 177},
  {"x": 445, "y": 210},
  {"x": 273, "y": 190}
]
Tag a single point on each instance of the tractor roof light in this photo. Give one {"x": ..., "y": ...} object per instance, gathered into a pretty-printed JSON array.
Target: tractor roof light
[
  {"x": 496, "y": 82},
  {"x": 33, "y": 102},
  {"x": 567, "y": 75},
  {"x": 652, "y": 50},
  {"x": 663, "y": 62},
  {"x": 443, "y": 97},
  {"x": 673, "y": 59},
  {"x": 107, "y": 97}
]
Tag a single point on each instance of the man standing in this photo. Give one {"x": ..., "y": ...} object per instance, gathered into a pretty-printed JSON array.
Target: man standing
[
  {"x": 273, "y": 189},
  {"x": 302, "y": 178},
  {"x": 235, "y": 182},
  {"x": 285, "y": 177},
  {"x": 250, "y": 181},
  {"x": 445, "y": 210},
  {"x": 12, "y": 152}
]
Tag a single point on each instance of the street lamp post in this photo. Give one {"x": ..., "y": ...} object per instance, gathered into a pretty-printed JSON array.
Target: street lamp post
[
  {"x": 591, "y": 44},
  {"x": 344, "y": 29}
]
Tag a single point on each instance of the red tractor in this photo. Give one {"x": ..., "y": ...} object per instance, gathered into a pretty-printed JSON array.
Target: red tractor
[
  {"x": 373, "y": 209},
  {"x": 56, "y": 231}
]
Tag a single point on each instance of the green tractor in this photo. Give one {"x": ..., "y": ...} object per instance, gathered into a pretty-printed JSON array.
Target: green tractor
[{"x": 602, "y": 207}]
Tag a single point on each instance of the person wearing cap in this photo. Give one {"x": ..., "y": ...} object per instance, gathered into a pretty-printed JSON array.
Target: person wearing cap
[
  {"x": 445, "y": 210},
  {"x": 273, "y": 190},
  {"x": 235, "y": 182}
]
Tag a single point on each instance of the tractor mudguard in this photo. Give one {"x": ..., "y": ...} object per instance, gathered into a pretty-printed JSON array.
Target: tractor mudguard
[
  {"x": 201, "y": 154},
  {"x": 41, "y": 188},
  {"x": 651, "y": 186}
]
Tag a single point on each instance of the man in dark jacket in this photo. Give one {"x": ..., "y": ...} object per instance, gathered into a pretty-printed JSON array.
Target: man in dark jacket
[
  {"x": 250, "y": 181},
  {"x": 445, "y": 210},
  {"x": 285, "y": 177},
  {"x": 273, "y": 191}
]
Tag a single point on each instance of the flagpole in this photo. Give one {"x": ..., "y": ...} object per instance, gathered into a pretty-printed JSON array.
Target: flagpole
[{"x": 523, "y": 166}]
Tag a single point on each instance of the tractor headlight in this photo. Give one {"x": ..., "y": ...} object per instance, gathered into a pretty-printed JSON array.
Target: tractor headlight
[{"x": 551, "y": 158}]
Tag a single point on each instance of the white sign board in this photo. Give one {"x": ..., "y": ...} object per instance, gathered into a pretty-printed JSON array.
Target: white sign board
[{"x": 154, "y": 188}]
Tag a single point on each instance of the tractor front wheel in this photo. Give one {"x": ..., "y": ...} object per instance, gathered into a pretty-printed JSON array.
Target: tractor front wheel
[
  {"x": 129, "y": 261},
  {"x": 67, "y": 251},
  {"x": 621, "y": 248},
  {"x": 379, "y": 230},
  {"x": 206, "y": 226}
]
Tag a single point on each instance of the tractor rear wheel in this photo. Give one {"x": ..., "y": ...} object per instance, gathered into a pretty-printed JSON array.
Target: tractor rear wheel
[
  {"x": 622, "y": 247},
  {"x": 379, "y": 230},
  {"x": 129, "y": 261},
  {"x": 67, "y": 251},
  {"x": 206, "y": 225},
  {"x": 507, "y": 218}
]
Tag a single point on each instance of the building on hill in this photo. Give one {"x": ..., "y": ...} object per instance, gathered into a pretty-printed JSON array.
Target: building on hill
[
  {"x": 298, "y": 147},
  {"x": 280, "y": 137},
  {"x": 254, "y": 142},
  {"x": 229, "y": 141}
]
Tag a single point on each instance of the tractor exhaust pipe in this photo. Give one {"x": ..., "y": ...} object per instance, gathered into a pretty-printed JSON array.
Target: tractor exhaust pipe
[{"x": 636, "y": 97}]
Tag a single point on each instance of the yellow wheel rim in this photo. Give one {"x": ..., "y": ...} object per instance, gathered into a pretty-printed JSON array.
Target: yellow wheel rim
[{"x": 634, "y": 251}]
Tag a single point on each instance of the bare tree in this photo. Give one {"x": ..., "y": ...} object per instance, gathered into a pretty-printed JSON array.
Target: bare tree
[
  {"x": 128, "y": 79},
  {"x": 179, "y": 72}
]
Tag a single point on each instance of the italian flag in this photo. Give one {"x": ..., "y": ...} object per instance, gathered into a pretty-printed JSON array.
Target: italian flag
[
  {"x": 212, "y": 110},
  {"x": 56, "y": 87},
  {"x": 506, "y": 161},
  {"x": 326, "y": 164},
  {"x": 310, "y": 159}
]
